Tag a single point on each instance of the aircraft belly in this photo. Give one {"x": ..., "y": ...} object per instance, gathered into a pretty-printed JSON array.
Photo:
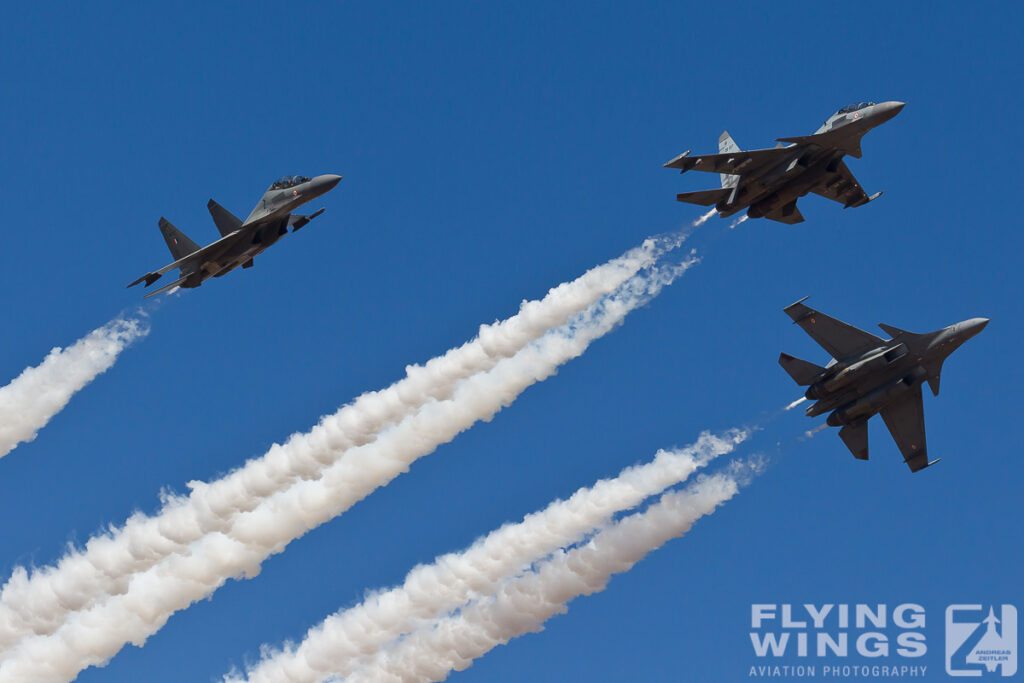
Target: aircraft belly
[
  {"x": 861, "y": 387},
  {"x": 776, "y": 187}
]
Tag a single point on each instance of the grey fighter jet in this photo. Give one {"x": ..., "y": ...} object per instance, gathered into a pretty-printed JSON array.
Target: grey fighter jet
[
  {"x": 240, "y": 240},
  {"x": 869, "y": 375},
  {"x": 767, "y": 182}
]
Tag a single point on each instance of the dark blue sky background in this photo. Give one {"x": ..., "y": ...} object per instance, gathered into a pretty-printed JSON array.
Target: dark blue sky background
[{"x": 491, "y": 151}]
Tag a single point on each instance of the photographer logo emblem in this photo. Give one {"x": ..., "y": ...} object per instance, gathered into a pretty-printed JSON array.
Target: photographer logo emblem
[{"x": 981, "y": 640}]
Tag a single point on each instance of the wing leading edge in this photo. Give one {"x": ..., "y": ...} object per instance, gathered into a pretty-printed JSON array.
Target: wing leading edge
[
  {"x": 730, "y": 163},
  {"x": 841, "y": 186},
  {"x": 905, "y": 419},
  {"x": 210, "y": 251},
  {"x": 838, "y": 338}
]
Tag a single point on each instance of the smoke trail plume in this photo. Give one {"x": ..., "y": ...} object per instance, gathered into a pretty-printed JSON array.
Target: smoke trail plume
[
  {"x": 32, "y": 398},
  {"x": 37, "y": 604},
  {"x": 810, "y": 433},
  {"x": 795, "y": 403},
  {"x": 523, "y": 604},
  {"x": 431, "y": 591},
  {"x": 92, "y": 636},
  {"x": 703, "y": 219},
  {"x": 737, "y": 221}
]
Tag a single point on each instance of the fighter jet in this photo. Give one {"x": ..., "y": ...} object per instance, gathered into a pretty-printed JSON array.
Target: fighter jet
[
  {"x": 240, "y": 240},
  {"x": 869, "y": 375},
  {"x": 767, "y": 182}
]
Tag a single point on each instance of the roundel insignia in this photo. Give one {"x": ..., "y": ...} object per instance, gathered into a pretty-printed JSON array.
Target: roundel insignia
[
  {"x": 856, "y": 115},
  {"x": 295, "y": 193}
]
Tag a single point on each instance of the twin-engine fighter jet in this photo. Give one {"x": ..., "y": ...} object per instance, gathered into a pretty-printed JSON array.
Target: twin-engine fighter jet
[
  {"x": 240, "y": 240},
  {"x": 767, "y": 182},
  {"x": 869, "y": 375}
]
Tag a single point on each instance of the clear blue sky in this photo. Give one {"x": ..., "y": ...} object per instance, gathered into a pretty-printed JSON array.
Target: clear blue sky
[{"x": 489, "y": 152}]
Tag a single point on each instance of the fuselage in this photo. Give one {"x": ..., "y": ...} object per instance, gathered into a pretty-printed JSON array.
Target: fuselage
[
  {"x": 854, "y": 389},
  {"x": 796, "y": 174},
  {"x": 266, "y": 224}
]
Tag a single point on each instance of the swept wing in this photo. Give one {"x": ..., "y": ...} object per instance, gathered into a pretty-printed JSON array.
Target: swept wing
[
  {"x": 905, "y": 419},
  {"x": 841, "y": 186},
  {"x": 730, "y": 163},
  {"x": 838, "y": 338},
  {"x": 207, "y": 253}
]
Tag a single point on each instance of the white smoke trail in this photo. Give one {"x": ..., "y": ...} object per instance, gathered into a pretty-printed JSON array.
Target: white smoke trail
[
  {"x": 430, "y": 591},
  {"x": 703, "y": 219},
  {"x": 29, "y": 402},
  {"x": 523, "y": 604},
  {"x": 810, "y": 433},
  {"x": 795, "y": 403},
  {"x": 737, "y": 221},
  {"x": 90, "y": 637},
  {"x": 38, "y": 604}
]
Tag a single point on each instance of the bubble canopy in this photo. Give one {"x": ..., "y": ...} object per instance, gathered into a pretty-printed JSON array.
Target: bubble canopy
[
  {"x": 854, "y": 107},
  {"x": 289, "y": 181}
]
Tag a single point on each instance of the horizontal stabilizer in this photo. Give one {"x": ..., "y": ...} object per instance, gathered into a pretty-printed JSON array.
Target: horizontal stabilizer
[
  {"x": 226, "y": 221},
  {"x": 855, "y": 436},
  {"x": 705, "y": 197},
  {"x": 834, "y": 139},
  {"x": 150, "y": 278},
  {"x": 172, "y": 285},
  {"x": 803, "y": 372}
]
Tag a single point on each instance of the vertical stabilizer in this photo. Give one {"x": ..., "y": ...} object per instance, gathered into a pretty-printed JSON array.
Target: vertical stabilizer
[
  {"x": 727, "y": 145},
  {"x": 177, "y": 241},
  {"x": 226, "y": 221}
]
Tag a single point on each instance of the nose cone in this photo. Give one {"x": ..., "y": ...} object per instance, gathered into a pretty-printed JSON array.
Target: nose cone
[
  {"x": 884, "y": 111},
  {"x": 974, "y": 326},
  {"x": 326, "y": 182}
]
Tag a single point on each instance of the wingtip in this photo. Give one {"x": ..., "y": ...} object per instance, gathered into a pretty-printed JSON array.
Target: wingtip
[
  {"x": 676, "y": 159},
  {"x": 800, "y": 301}
]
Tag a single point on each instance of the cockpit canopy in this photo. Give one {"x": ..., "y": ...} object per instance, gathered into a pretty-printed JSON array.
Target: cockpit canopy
[
  {"x": 854, "y": 107},
  {"x": 289, "y": 181}
]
